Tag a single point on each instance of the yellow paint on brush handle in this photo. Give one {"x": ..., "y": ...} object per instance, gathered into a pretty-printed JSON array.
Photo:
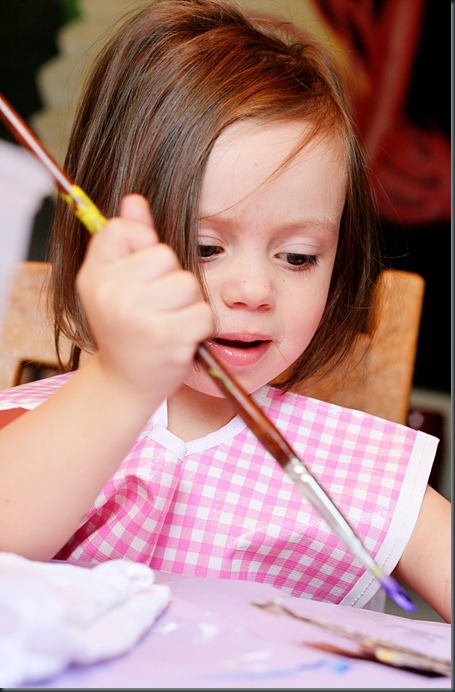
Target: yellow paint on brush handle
[{"x": 84, "y": 209}]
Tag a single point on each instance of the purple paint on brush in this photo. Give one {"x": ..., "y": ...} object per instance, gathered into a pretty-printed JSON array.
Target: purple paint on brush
[{"x": 397, "y": 594}]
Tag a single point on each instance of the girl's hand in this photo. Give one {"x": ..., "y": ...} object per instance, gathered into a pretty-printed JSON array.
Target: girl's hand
[{"x": 146, "y": 313}]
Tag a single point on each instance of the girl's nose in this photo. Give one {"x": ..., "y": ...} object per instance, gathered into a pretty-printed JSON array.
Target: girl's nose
[{"x": 250, "y": 289}]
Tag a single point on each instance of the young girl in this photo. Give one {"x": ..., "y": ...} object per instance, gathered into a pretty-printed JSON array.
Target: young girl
[{"x": 259, "y": 238}]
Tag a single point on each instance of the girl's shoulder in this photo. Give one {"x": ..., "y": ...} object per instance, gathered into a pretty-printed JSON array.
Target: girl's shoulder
[
  {"x": 289, "y": 404},
  {"x": 31, "y": 394},
  {"x": 292, "y": 403},
  {"x": 298, "y": 414}
]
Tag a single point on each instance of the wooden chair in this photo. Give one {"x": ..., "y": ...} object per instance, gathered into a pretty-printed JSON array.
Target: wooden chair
[
  {"x": 27, "y": 339},
  {"x": 378, "y": 374},
  {"x": 377, "y": 378}
]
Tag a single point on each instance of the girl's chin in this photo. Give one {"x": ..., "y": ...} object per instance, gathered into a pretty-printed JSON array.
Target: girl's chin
[{"x": 205, "y": 384}]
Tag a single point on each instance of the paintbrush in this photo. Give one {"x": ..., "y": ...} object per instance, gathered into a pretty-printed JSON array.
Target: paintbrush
[
  {"x": 257, "y": 421},
  {"x": 371, "y": 646}
]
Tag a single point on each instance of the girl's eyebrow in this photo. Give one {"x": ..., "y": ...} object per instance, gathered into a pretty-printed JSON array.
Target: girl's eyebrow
[{"x": 323, "y": 224}]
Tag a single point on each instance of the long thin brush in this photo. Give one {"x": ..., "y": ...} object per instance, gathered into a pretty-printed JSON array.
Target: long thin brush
[{"x": 256, "y": 420}]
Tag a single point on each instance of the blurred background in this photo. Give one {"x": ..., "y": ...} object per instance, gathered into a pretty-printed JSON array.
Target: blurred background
[{"x": 395, "y": 56}]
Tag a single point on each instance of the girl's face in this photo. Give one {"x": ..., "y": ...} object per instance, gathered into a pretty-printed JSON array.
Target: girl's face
[{"x": 267, "y": 244}]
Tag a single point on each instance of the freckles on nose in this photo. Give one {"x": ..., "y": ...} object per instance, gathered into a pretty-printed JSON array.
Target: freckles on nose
[{"x": 250, "y": 292}]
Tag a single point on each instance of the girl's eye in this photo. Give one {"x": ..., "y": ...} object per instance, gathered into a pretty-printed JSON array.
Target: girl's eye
[
  {"x": 208, "y": 251},
  {"x": 297, "y": 260}
]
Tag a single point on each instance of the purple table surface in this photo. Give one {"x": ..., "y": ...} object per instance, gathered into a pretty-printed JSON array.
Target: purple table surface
[{"x": 212, "y": 636}]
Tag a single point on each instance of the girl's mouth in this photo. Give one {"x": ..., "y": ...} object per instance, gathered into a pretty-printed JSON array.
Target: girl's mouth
[
  {"x": 237, "y": 353},
  {"x": 234, "y": 343}
]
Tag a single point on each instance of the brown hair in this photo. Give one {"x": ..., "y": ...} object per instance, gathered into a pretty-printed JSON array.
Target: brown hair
[{"x": 169, "y": 81}]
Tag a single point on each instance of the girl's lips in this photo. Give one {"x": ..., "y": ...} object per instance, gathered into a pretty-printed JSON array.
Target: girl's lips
[{"x": 239, "y": 353}]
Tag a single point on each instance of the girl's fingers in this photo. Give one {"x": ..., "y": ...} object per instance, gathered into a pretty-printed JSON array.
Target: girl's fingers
[
  {"x": 136, "y": 208},
  {"x": 124, "y": 235}
]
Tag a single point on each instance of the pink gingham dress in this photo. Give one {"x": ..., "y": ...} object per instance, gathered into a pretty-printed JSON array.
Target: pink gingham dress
[{"x": 221, "y": 506}]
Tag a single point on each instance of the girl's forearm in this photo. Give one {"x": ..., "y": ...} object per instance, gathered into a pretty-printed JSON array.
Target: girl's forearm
[
  {"x": 426, "y": 563},
  {"x": 55, "y": 459}
]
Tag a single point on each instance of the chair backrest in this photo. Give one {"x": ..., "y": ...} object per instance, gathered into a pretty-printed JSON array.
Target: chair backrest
[
  {"x": 27, "y": 334},
  {"x": 376, "y": 378}
]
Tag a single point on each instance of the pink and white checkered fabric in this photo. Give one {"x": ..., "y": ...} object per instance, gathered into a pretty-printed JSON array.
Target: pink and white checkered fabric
[{"x": 221, "y": 507}]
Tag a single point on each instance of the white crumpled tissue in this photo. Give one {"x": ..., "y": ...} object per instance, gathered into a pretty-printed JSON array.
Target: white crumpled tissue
[{"x": 55, "y": 614}]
